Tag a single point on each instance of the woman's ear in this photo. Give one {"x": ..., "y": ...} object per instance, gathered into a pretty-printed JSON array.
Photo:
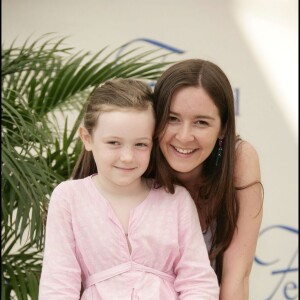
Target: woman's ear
[
  {"x": 222, "y": 133},
  {"x": 86, "y": 138}
]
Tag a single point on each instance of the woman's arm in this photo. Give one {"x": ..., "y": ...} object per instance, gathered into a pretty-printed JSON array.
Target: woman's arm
[
  {"x": 61, "y": 273},
  {"x": 239, "y": 256}
]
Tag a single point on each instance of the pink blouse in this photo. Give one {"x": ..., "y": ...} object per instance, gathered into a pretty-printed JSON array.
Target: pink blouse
[{"x": 86, "y": 246}]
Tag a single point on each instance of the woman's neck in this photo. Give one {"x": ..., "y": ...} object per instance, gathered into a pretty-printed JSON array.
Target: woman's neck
[{"x": 190, "y": 181}]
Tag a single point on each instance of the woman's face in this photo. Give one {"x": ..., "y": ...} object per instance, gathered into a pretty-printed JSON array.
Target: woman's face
[{"x": 192, "y": 130}]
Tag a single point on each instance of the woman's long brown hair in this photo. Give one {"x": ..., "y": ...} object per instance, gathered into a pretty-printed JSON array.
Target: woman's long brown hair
[{"x": 217, "y": 194}]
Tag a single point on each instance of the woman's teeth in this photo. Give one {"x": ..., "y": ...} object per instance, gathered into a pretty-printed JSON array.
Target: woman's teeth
[{"x": 184, "y": 151}]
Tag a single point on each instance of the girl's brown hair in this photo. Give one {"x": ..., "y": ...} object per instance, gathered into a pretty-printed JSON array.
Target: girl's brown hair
[
  {"x": 217, "y": 194},
  {"x": 118, "y": 93}
]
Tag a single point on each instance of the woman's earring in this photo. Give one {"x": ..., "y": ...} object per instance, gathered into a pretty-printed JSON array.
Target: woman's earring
[{"x": 219, "y": 155}]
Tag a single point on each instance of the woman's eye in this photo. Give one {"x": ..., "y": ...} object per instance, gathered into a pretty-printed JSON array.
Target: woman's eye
[
  {"x": 201, "y": 122},
  {"x": 173, "y": 119}
]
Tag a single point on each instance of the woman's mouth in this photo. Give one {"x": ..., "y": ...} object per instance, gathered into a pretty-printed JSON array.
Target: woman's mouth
[{"x": 184, "y": 150}]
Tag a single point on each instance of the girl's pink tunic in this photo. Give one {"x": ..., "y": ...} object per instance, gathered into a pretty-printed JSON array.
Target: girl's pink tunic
[{"x": 86, "y": 246}]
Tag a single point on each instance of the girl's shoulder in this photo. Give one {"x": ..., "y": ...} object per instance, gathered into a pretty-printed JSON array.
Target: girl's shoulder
[
  {"x": 73, "y": 193},
  {"x": 178, "y": 189},
  {"x": 71, "y": 186},
  {"x": 180, "y": 195}
]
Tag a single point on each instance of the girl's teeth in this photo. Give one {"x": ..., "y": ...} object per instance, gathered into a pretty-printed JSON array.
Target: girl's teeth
[{"x": 184, "y": 151}]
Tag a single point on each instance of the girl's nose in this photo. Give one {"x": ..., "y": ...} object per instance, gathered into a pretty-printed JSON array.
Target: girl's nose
[
  {"x": 126, "y": 154},
  {"x": 185, "y": 134}
]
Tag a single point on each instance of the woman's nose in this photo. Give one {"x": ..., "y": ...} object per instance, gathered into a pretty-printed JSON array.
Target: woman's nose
[{"x": 185, "y": 134}]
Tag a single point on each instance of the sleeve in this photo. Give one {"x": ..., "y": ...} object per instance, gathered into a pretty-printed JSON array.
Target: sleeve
[
  {"x": 61, "y": 273},
  {"x": 195, "y": 278}
]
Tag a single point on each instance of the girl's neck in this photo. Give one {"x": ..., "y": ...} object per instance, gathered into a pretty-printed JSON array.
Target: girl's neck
[
  {"x": 123, "y": 199},
  {"x": 139, "y": 189}
]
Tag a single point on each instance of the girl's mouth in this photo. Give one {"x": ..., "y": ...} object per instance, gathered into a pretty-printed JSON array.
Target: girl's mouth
[{"x": 124, "y": 168}]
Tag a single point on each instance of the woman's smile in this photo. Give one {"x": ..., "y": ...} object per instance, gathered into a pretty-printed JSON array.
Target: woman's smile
[
  {"x": 185, "y": 151},
  {"x": 192, "y": 130}
]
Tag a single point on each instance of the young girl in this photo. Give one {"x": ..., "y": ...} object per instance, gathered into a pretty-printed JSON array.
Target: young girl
[{"x": 110, "y": 233}]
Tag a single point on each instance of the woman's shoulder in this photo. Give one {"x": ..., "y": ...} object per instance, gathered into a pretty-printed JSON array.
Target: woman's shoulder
[
  {"x": 243, "y": 146},
  {"x": 247, "y": 167}
]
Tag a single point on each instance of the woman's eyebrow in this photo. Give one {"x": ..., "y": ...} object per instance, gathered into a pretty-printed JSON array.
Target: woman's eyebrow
[
  {"x": 204, "y": 117},
  {"x": 196, "y": 116}
]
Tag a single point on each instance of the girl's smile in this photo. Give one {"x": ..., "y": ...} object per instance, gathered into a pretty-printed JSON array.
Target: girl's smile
[{"x": 121, "y": 147}]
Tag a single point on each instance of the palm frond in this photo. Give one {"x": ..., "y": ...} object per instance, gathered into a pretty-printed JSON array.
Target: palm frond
[{"x": 21, "y": 268}]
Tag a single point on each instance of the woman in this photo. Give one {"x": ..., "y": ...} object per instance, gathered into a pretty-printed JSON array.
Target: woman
[{"x": 199, "y": 149}]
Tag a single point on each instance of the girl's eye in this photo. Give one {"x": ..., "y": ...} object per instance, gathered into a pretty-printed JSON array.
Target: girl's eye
[
  {"x": 114, "y": 143},
  {"x": 141, "y": 145}
]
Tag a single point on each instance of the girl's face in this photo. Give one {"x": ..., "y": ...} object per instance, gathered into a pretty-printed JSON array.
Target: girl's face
[
  {"x": 121, "y": 144},
  {"x": 192, "y": 130}
]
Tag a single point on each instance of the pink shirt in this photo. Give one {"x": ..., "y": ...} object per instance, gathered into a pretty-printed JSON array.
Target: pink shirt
[{"x": 86, "y": 245}]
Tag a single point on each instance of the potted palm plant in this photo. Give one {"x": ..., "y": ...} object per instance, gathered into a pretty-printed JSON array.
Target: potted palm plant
[{"x": 40, "y": 80}]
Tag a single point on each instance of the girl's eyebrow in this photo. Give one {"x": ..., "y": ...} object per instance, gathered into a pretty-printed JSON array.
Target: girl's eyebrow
[
  {"x": 111, "y": 137},
  {"x": 196, "y": 117},
  {"x": 144, "y": 139},
  {"x": 120, "y": 138}
]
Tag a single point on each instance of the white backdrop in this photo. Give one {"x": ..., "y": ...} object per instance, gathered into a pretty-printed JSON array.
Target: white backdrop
[{"x": 256, "y": 43}]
